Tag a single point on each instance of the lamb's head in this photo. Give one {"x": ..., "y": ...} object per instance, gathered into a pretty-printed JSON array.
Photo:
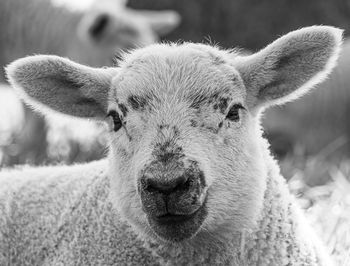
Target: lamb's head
[
  {"x": 186, "y": 154},
  {"x": 109, "y": 27}
]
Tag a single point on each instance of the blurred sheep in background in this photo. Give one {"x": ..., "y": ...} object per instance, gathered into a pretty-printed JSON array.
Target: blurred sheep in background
[{"x": 92, "y": 34}]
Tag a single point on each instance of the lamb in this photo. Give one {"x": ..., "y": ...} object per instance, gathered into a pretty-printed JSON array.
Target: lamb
[
  {"x": 189, "y": 179},
  {"x": 95, "y": 35}
]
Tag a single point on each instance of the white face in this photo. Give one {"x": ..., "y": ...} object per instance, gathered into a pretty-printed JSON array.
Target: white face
[{"x": 184, "y": 150}]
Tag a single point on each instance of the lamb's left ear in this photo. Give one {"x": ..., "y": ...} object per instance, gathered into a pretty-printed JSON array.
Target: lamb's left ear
[
  {"x": 289, "y": 66},
  {"x": 62, "y": 85}
]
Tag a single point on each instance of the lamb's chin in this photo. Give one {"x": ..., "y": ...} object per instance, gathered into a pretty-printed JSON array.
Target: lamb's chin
[{"x": 178, "y": 228}]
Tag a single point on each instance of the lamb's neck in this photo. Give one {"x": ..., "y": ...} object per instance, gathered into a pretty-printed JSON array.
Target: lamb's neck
[
  {"x": 35, "y": 26},
  {"x": 280, "y": 238},
  {"x": 276, "y": 240}
]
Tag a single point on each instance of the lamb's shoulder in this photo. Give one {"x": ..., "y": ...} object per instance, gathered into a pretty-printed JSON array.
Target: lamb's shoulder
[
  {"x": 32, "y": 204},
  {"x": 93, "y": 233},
  {"x": 53, "y": 215}
]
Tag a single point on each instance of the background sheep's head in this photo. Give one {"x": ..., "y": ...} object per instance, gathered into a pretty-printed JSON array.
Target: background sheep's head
[
  {"x": 109, "y": 27},
  {"x": 186, "y": 153}
]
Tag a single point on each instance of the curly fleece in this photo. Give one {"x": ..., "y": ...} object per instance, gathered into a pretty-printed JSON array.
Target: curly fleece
[{"x": 63, "y": 216}]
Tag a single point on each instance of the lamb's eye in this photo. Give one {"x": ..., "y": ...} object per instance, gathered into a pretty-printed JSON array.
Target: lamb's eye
[
  {"x": 115, "y": 120},
  {"x": 234, "y": 113}
]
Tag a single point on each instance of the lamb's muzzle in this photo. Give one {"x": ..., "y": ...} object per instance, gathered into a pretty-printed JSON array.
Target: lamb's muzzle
[{"x": 172, "y": 197}]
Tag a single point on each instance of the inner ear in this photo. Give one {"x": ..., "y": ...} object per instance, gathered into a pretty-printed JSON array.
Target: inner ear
[
  {"x": 286, "y": 78},
  {"x": 99, "y": 26},
  {"x": 62, "y": 85},
  {"x": 290, "y": 66},
  {"x": 74, "y": 99}
]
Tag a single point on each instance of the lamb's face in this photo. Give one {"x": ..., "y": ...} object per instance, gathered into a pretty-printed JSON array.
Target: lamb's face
[{"x": 186, "y": 157}]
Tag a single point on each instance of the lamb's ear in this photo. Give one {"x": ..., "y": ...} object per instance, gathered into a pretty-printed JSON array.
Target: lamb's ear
[
  {"x": 97, "y": 28},
  {"x": 62, "y": 85},
  {"x": 290, "y": 66}
]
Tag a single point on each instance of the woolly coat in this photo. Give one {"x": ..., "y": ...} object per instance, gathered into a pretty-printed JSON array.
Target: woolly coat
[{"x": 62, "y": 215}]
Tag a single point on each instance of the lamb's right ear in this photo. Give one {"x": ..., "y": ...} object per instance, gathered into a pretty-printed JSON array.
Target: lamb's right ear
[
  {"x": 290, "y": 66},
  {"x": 62, "y": 85}
]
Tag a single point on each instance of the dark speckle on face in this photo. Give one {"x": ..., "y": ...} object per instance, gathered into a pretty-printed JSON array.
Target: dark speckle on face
[
  {"x": 123, "y": 152},
  {"x": 162, "y": 147},
  {"x": 212, "y": 129},
  {"x": 213, "y": 97},
  {"x": 123, "y": 109},
  {"x": 164, "y": 126},
  {"x": 218, "y": 102},
  {"x": 226, "y": 141},
  {"x": 137, "y": 102},
  {"x": 223, "y": 103},
  {"x": 176, "y": 131},
  {"x": 198, "y": 101},
  {"x": 194, "y": 123},
  {"x": 167, "y": 151}
]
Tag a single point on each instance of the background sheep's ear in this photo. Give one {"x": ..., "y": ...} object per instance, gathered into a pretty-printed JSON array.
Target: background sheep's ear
[
  {"x": 161, "y": 22},
  {"x": 289, "y": 66},
  {"x": 62, "y": 85},
  {"x": 100, "y": 28},
  {"x": 97, "y": 28}
]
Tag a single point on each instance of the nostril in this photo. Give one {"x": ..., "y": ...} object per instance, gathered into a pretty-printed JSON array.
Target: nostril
[
  {"x": 184, "y": 184},
  {"x": 181, "y": 181},
  {"x": 151, "y": 188},
  {"x": 153, "y": 185}
]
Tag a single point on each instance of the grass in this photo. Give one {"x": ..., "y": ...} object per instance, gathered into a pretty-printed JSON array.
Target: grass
[{"x": 321, "y": 184}]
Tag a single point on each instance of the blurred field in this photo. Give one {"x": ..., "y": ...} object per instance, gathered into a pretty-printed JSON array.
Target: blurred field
[
  {"x": 320, "y": 179},
  {"x": 322, "y": 189}
]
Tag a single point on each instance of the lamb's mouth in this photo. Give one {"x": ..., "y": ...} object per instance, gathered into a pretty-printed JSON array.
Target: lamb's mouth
[{"x": 176, "y": 228}]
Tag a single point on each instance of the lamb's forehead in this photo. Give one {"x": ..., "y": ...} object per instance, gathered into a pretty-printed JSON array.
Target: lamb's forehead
[
  {"x": 187, "y": 71},
  {"x": 168, "y": 49}
]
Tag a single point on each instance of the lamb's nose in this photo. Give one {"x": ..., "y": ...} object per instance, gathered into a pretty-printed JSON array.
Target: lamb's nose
[
  {"x": 163, "y": 185},
  {"x": 171, "y": 190}
]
